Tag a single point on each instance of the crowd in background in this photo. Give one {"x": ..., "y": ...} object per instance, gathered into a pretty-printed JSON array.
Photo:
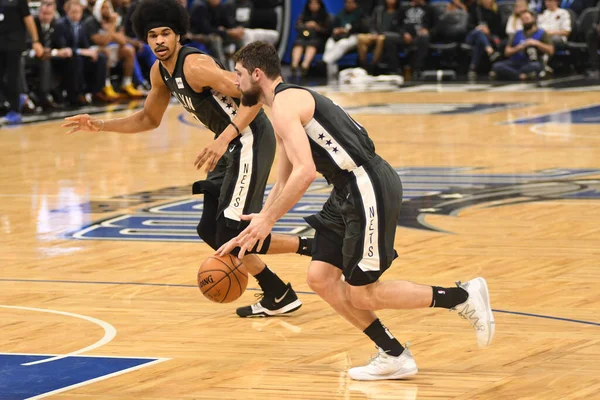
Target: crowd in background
[{"x": 77, "y": 52}]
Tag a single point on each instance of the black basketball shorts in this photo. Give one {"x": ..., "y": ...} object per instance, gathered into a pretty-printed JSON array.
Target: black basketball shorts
[{"x": 356, "y": 228}]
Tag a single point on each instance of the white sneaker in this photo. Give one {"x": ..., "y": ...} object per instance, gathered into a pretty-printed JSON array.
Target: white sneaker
[
  {"x": 384, "y": 366},
  {"x": 477, "y": 310}
]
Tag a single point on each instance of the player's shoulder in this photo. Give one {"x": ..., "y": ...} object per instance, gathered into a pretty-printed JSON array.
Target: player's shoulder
[
  {"x": 294, "y": 103},
  {"x": 198, "y": 61},
  {"x": 293, "y": 98}
]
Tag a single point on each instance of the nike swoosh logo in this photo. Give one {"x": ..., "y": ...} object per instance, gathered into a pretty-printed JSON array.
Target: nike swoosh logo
[
  {"x": 278, "y": 300},
  {"x": 231, "y": 149}
]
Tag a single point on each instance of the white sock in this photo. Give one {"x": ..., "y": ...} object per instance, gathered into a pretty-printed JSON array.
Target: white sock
[
  {"x": 127, "y": 81},
  {"x": 107, "y": 83}
]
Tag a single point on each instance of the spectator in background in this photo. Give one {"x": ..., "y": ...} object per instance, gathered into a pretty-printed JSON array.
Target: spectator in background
[
  {"x": 16, "y": 20},
  {"x": 54, "y": 49},
  {"x": 243, "y": 10},
  {"x": 216, "y": 23},
  {"x": 525, "y": 50},
  {"x": 415, "y": 26},
  {"x": 486, "y": 23},
  {"x": 85, "y": 71},
  {"x": 593, "y": 37},
  {"x": 382, "y": 35},
  {"x": 313, "y": 27},
  {"x": 514, "y": 22},
  {"x": 144, "y": 57},
  {"x": 103, "y": 29},
  {"x": 556, "y": 22},
  {"x": 346, "y": 26}
]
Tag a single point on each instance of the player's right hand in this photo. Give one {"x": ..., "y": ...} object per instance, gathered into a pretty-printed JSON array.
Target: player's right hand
[{"x": 82, "y": 122}]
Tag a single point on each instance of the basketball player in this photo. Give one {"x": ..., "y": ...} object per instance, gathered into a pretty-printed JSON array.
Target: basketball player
[
  {"x": 355, "y": 230},
  {"x": 238, "y": 160}
]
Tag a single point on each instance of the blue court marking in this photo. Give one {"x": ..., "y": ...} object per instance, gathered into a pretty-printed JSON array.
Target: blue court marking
[
  {"x": 577, "y": 321},
  {"x": 18, "y": 381},
  {"x": 194, "y": 124},
  {"x": 581, "y": 115}
]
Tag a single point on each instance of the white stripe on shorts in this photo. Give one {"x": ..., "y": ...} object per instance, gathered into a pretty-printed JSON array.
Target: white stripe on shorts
[
  {"x": 370, "y": 260},
  {"x": 238, "y": 199}
]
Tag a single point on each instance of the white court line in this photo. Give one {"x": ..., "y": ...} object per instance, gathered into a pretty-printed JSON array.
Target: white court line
[
  {"x": 100, "y": 378},
  {"x": 537, "y": 129},
  {"x": 79, "y": 355},
  {"x": 109, "y": 332}
]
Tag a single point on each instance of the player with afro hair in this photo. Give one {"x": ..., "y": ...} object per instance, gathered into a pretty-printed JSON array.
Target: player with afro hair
[
  {"x": 151, "y": 14},
  {"x": 239, "y": 159}
]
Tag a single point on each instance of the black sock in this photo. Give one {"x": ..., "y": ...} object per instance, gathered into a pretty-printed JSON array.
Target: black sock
[
  {"x": 305, "y": 246},
  {"x": 448, "y": 297},
  {"x": 384, "y": 339},
  {"x": 270, "y": 283}
]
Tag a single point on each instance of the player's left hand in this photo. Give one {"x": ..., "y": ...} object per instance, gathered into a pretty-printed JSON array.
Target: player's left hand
[
  {"x": 211, "y": 154},
  {"x": 259, "y": 228}
]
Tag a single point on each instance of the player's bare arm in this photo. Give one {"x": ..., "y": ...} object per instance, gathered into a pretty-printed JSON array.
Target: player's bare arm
[
  {"x": 284, "y": 170},
  {"x": 146, "y": 119},
  {"x": 287, "y": 117},
  {"x": 202, "y": 71}
]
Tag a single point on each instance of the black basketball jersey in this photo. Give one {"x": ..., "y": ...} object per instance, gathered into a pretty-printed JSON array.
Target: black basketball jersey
[
  {"x": 338, "y": 143},
  {"x": 213, "y": 109}
]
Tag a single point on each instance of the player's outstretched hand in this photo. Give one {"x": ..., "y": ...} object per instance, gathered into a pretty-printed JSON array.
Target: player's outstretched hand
[
  {"x": 83, "y": 122},
  {"x": 211, "y": 154}
]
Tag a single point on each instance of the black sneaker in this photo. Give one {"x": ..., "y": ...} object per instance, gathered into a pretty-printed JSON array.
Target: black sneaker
[{"x": 269, "y": 305}]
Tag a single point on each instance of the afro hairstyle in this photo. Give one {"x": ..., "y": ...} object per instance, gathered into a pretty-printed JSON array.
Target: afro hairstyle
[{"x": 165, "y": 12}]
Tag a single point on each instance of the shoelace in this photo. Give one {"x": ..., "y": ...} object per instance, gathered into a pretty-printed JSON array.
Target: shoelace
[
  {"x": 259, "y": 296},
  {"x": 378, "y": 359},
  {"x": 469, "y": 314}
]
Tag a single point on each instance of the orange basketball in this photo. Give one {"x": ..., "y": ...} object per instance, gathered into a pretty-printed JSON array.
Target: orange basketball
[{"x": 222, "y": 279}]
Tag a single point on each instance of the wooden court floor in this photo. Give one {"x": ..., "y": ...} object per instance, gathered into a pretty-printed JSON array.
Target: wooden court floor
[{"x": 518, "y": 204}]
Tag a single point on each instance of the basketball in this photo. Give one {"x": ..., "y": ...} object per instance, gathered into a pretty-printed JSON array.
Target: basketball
[{"x": 222, "y": 279}]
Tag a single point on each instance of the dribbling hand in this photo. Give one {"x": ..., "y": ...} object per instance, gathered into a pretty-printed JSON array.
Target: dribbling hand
[{"x": 83, "y": 122}]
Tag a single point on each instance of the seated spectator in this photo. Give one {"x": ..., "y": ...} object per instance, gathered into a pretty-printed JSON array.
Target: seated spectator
[
  {"x": 415, "y": 27},
  {"x": 54, "y": 49},
  {"x": 216, "y": 23},
  {"x": 103, "y": 29},
  {"x": 485, "y": 36},
  {"x": 514, "y": 22},
  {"x": 144, "y": 57},
  {"x": 556, "y": 22},
  {"x": 346, "y": 26},
  {"x": 593, "y": 37},
  {"x": 525, "y": 50},
  {"x": 382, "y": 29},
  {"x": 313, "y": 27},
  {"x": 244, "y": 10},
  {"x": 85, "y": 71}
]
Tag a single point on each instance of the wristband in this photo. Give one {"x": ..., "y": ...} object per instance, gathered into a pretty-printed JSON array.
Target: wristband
[
  {"x": 54, "y": 52},
  {"x": 236, "y": 128}
]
